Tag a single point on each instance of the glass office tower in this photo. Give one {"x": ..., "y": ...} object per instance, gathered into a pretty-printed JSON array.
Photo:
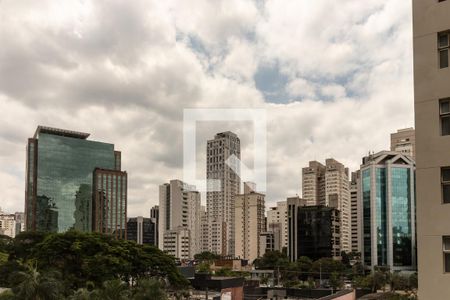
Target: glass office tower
[
  {"x": 388, "y": 211},
  {"x": 60, "y": 182}
]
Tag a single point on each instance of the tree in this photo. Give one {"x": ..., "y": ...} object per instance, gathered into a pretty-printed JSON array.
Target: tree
[
  {"x": 149, "y": 289},
  {"x": 83, "y": 294},
  {"x": 7, "y": 269},
  {"x": 114, "y": 289},
  {"x": 31, "y": 285},
  {"x": 206, "y": 255},
  {"x": 336, "y": 281},
  {"x": 204, "y": 267},
  {"x": 303, "y": 266},
  {"x": 23, "y": 245},
  {"x": 399, "y": 282},
  {"x": 327, "y": 266},
  {"x": 7, "y": 295},
  {"x": 272, "y": 260},
  {"x": 413, "y": 281},
  {"x": 345, "y": 258},
  {"x": 93, "y": 257}
]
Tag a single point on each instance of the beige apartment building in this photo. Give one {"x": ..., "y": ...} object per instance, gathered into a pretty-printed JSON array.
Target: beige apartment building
[
  {"x": 313, "y": 183},
  {"x": 329, "y": 185},
  {"x": 179, "y": 218},
  {"x": 249, "y": 223},
  {"x": 431, "y": 27},
  {"x": 404, "y": 141},
  {"x": 220, "y": 195},
  {"x": 277, "y": 218}
]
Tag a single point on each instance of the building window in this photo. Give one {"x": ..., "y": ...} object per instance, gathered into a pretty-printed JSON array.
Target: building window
[
  {"x": 446, "y": 249},
  {"x": 445, "y": 182},
  {"x": 444, "y": 111},
  {"x": 443, "y": 47}
]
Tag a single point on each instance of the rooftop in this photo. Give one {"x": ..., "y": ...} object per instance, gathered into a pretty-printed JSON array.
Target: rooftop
[{"x": 60, "y": 132}]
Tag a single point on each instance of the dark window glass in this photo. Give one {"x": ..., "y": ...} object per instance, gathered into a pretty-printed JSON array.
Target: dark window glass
[
  {"x": 445, "y": 125},
  {"x": 444, "y": 110},
  {"x": 443, "y": 40},
  {"x": 445, "y": 175},
  {"x": 446, "y": 193},
  {"x": 443, "y": 58},
  {"x": 445, "y": 182},
  {"x": 447, "y": 262},
  {"x": 445, "y": 106}
]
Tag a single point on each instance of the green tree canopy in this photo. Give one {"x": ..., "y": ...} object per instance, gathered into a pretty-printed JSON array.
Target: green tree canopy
[
  {"x": 206, "y": 255},
  {"x": 272, "y": 260},
  {"x": 92, "y": 257}
]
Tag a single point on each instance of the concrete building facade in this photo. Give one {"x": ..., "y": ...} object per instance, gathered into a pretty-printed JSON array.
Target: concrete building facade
[
  {"x": 177, "y": 242},
  {"x": 313, "y": 183},
  {"x": 8, "y": 224},
  {"x": 328, "y": 185},
  {"x": 249, "y": 223},
  {"x": 270, "y": 240},
  {"x": 179, "y": 210},
  {"x": 220, "y": 195},
  {"x": 404, "y": 141},
  {"x": 431, "y": 25},
  {"x": 278, "y": 215}
]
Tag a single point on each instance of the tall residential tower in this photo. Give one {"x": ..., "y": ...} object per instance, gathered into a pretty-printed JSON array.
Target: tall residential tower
[
  {"x": 221, "y": 194},
  {"x": 328, "y": 185}
]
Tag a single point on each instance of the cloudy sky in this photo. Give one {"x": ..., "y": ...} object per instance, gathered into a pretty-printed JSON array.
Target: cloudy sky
[{"x": 335, "y": 79}]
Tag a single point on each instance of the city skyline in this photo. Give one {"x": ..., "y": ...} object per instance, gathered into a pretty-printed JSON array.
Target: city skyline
[{"x": 144, "y": 118}]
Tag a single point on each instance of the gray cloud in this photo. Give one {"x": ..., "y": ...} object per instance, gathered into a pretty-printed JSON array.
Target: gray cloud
[{"x": 125, "y": 71}]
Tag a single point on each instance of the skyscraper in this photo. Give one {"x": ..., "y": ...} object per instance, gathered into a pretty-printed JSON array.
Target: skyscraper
[
  {"x": 154, "y": 216},
  {"x": 404, "y": 141},
  {"x": 248, "y": 223},
  {"x": 70, "y": 181},
  {"x": 278, "y": 215},
  {"x": 313, "y": 183},
  {"x": 328, "y": 185},
  {"x": 221, "y": 195},
  {"x": 316, "y": 234},
  {"x": 388, "y": 211},
  {"x": 355, "y": 211},
  {"x": 431, "y": 27},
  {"x": 293, "y": 203},
  {"x": 141, "y": 230},
  {"x": 109, "y": 207},
  {"x": 179, "y": 218}
]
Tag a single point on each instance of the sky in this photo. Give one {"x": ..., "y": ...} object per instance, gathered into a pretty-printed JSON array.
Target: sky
[{"x": 334, "y": 77}]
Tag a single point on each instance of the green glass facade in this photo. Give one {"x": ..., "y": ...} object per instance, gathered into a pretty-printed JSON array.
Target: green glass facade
[
  {"x": 401, "y": 216},
  {"x": 367, "y": 232},
  {"x": 388, "y": 211},
  {"x": 381, "y": 216},
  {"x": 60, "y": 168}
]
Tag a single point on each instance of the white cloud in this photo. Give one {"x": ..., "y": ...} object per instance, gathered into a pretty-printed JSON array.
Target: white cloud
[{"x": 124, "y": 72}]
